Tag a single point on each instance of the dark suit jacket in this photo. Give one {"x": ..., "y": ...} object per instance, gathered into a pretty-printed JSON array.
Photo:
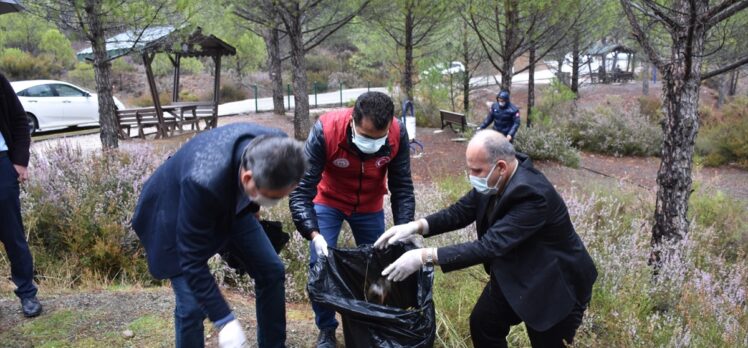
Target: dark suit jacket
[
  {"x": 14, "y": 125},
  {"x": 187, "y": 207},
  {"x": 528, "y": 245}
]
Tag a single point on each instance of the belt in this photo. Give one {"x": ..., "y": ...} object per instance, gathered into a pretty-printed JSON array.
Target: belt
[{"x": 3, "y": 154}]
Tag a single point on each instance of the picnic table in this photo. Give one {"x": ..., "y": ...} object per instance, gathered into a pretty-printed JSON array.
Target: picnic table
[{"x": 192, "y": 113}]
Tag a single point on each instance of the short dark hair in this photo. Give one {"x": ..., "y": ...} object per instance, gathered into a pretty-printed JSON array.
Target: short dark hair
[
  {"x": 276, "y": 162},
  {"x": 377, "y": 107}
]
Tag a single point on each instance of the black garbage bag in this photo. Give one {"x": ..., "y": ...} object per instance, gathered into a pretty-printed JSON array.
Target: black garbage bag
[{"x": 375, "y": 312}]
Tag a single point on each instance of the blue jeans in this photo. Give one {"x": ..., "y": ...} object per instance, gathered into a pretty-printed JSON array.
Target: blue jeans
[
  {"x": 250, "y": 243},
  {"x": 366, "y": 227},
  {"x": 11, "y": 231}
]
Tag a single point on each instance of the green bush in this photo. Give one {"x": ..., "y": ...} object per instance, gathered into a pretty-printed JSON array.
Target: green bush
[
  {"x": 83, "y": 75},
  {"x": 726, "y": 142},
  {"x": 651, "y": 108},
  {"x": 546, "y": 144},
  {"x": 186, "y": 96},
  {"x": 19, "y": 65},
  {"x": 612, "y": 130},
  {"x": 726, "y": 217},
  {"x": 556, "y": 103},
  {"x": 145, "y": 99},
  {"x": 319, "y": 68},
  {"x": 58, "y": 47},
  {"x": 77, "y": 207},
  {"x": 188, "y": 66},
  {"x": 431, "y": 95},
  {"x": 230, "y": 93}
]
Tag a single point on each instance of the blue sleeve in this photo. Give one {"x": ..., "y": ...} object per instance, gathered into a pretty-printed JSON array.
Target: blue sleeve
[
  {"x": 300, "y": 201},
  {"x": 488, "y": 119},
  {"x": 221, "y": 322},
  {"x": 400, "y": 183},
  {"x": 195, "y": 234},
  {"x": 515, "y": 126}
]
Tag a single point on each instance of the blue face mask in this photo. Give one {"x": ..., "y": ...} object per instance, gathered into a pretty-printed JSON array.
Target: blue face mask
[
  {"x": 481, "y": 184},
  {"x": 367, "y": 145}
]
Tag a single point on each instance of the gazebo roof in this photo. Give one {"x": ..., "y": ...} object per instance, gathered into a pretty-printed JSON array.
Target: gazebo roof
[
  {"x": 194, "y": 44},
  {"x": 122, "y": 43},
  {"x": 601, "y": 49}
]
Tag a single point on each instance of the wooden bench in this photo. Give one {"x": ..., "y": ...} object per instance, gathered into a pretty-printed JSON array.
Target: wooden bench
[
  {"x": 449, "y": 118},
  {"x": 207, "y": 114},
  {"x": 142, "y": 118},
  {"x": 190, "y": 113}
]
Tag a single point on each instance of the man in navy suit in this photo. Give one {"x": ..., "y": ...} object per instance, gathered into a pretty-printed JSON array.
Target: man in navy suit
[
  {"x": 14, "y": 160},
  {"x": 201, "y": 201},
  {"x": 541, "y": 273}
]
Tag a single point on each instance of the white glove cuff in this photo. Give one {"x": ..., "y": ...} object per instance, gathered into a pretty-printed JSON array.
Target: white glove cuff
[{"x": 424, "y": 227}]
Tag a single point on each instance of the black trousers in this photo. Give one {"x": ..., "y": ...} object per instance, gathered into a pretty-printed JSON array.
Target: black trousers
[
  {"x": 492, "y": 317},
  {"x": 11, "y": 231}
]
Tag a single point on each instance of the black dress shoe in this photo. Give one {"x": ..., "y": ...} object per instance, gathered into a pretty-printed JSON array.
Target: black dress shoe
[
  {"x": 31, "y": 307},
  {"x": 326, "y": 339}
]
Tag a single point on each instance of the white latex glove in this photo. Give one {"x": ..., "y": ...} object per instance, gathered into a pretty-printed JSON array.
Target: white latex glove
[
  {"x": 320, "y": 245},
  {"x": 232, "y": 336},
  {"x": 397, "y": 233},
  {"x": 404, "y": 266}
]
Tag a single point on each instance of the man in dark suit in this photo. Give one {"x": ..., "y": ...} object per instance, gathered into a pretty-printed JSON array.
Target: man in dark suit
[
  {"x": 14, "y": 158},
  {"x": 540, "y": 271},
  {"x": 201, "y": 201}
]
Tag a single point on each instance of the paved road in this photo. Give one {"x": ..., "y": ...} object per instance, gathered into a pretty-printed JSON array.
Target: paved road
[
  {"x": 323, "y": 99},
  {"x": 266, "y": 104},
  {"x": 333, "y": 98}
]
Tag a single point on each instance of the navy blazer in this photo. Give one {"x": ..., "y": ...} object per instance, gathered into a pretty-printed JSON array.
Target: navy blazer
[
  {"x": 187, "y": 207},
  {"x": 528, "y": 245}
]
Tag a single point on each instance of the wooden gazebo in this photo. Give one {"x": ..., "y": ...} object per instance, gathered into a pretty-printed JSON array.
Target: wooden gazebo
[
  {"x": 602, "y": 75},
  {"x": 176, "y": 45}
]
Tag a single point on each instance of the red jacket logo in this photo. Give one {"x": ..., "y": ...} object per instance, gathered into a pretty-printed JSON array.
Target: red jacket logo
[
  {"x": 341, "y": 163},
  {"x": 382, "y": 161}
]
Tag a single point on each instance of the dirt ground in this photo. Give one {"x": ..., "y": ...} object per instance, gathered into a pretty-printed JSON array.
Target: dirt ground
[{"x": 114, "y": 311}]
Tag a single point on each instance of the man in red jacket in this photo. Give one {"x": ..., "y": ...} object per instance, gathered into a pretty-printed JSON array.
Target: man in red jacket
[
  {"x": 354, "y": 155},
  {"x": 14, "y": 158}
]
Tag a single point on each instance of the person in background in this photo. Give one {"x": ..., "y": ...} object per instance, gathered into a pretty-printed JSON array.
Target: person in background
[
  {"x": 203, "y": 200},
  {"x": 14, "y": 160},
  {"x": 540, "y": 271},
  {"x": 504, "y": 115},
  {"x": 355, "y": 155}
]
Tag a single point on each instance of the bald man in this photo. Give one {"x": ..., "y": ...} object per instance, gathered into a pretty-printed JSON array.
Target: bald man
[{"x": 541, "y": 273}]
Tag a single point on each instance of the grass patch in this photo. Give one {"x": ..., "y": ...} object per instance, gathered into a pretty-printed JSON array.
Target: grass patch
[{"x": 455, "y": 295}]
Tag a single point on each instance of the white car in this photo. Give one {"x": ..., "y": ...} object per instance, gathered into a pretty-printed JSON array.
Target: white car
[{"x": 51, "y": 104}]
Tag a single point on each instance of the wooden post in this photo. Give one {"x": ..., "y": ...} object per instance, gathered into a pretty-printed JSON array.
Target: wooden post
[
  {"x": 147, "y": 60},
  {"x": 176, "y": 62},
  {"x": 216, "y": 90}
]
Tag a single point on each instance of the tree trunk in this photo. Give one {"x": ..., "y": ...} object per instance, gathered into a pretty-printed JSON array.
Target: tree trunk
[
  {"x": 575, "y": 64},
  {"x": 531, "y": 86},
  {"x": 506, "y": 75},
  {"x": 452, "y": 92},
  {"x": 512, "y": 35},
  {"x": 645, "y": 79},
  {"x": 301, "y": 121},
  {"x": 408, "y": 68},
  {"x": 680, "y": 99},
  {"x": 466, "y": 74},
  {"x": 734, "y": 76},
  {"x": 722, "y": 90},
  {"x": 272, "y": 42},
  {"x": 102, "y": 71}
]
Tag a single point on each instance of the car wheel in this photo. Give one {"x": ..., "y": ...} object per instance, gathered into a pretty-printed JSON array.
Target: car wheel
[{"x": 33, "y": 124}]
